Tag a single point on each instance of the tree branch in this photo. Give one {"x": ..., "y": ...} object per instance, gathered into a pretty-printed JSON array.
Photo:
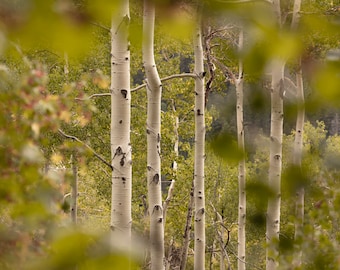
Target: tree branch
[
  {"x": 87, "y": 146},
  {"x": 168, "y": 199},
  {"x": 174, "y": 76},
  {"x": 94, "y": 95},
  {"x": 227, "y": 71},
  {"x": 101, "y": 26}
]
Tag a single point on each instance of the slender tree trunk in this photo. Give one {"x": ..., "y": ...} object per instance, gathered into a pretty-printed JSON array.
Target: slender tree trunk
[
  {"x": 297, "y": 158},
  {"x": 120, "y": 123},
  {"x": 199, "y": 196},
  {"x": 154, "y": 92},
  {"x": 275, "y": 164},
  {"x": 298, "y": 141},
  {"x": 74, "y": 193},
  {"x": 275, "y": 156},
  {"x": 241, "y": 166},
  {"x": 187, "y": 230},
  {"x": 174, "y": 165}
]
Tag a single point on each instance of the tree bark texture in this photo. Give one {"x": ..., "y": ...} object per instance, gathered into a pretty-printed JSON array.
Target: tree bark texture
[
  {"x": 120, "y": 123},
  {"x": 275, "y": 156},
  {"x": 297, "y": 158},
  {"x": 275, "y": 164},
  {"x": 199, "y": 196},
  {"x": 298, "y": 140},
  {"x": 153, "y": 130},
  {"x": 187, "y": 230},
  {"x": 241, "y": 166},
  {"x": 174, "y": 165}
]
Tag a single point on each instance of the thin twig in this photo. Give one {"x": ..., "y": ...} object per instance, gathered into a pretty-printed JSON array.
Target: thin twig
[
  {"x": 87, "y": 146},
  {"x": 168, "y": 199},
  {"x": 94, "y": 95},
  {"x": 101, "y": 26},
  {"x": 174, "y": 76},
  {"x": 227, "y": 71}
]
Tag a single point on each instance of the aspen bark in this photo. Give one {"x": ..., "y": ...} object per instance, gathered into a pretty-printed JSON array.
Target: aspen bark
[
  {"x": 187, "y": 231},
  {"x": 241, "y": 166},
  {"x": 120, "y": 123},
  {"x": 174, "y": 165},
  {"x": 298, "y": 140},
  {"x": 153, "y": 130},
  {"x": 297, "y": 158},
  {"x": 275, "y": 164},
  {"x": 275, "y": 155},
  {"x": 199, "y": 196}
]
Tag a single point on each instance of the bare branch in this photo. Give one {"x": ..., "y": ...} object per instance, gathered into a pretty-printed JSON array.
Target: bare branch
[
  {"x": 101, "y": 26},
  {"x": 227, "y": 71},
  {"x": 220, "y": 235},
  {"x": 168, "y": 199},
  {"x": 174, "y": 76},
  {"x": 87, "y": 146},
  {"x": 94, "y": 95}
]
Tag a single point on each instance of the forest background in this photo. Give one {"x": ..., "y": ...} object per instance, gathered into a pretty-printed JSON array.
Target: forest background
[{"x": 55, "y": 156}]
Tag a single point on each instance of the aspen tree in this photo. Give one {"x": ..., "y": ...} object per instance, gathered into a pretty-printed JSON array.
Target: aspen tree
[
  {"x": 298, "y": 140},
  {"x": 120, "y": 122},
  {"x": 241, "y": 253},
  {"x": 275, "y": 163},
  {"x": 199, "y": 196},
  {"x": 275, "y": 156},
  {"x": 153, "y": 130}
]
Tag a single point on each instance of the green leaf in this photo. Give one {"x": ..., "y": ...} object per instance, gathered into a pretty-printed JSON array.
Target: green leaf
[{"x": 225, "y": 146}]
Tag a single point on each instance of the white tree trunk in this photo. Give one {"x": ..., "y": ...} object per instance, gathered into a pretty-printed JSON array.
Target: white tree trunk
[
  {"x": 297, "y": 157},
  {"x": 241, "y": 166},
  {"x": 199, "y": 196},
  {"x": 174, "y": 164},
  {"x": 120, "y": 123},
  {"x": 275, "y": 163},
  {"x": 154, "y": 92},
  {"x": 298, "y": 141},
  {"x": 187, "y": 231},
  {"x": 275, "y": 156}
]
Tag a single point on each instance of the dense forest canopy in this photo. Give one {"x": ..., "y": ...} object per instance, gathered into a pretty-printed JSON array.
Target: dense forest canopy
[{"x": 132, "y": 130}]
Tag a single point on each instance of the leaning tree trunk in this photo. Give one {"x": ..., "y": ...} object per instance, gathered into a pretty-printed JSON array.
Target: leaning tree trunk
[
  {"x": 120, "y": 123},
  {"x": 241, "y": 166},
  {"x": 298, "y": 141},
  {"x": 187, "y": 231},
  {"x": 199, "y": 196},
  {"x": 154, "y": 91}
]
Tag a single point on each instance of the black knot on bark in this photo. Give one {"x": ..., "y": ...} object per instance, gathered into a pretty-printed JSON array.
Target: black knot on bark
[
  {"x": 122, "y": 162},
  {"x": 155, "y": 178},
  {"x": 124, "y": 92}
]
